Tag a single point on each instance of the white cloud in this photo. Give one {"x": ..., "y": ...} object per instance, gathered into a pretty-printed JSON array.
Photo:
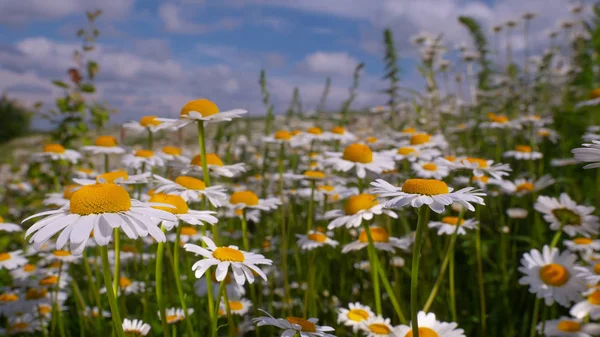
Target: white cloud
[
  {"x": 176, "y": 20},
  {"x": 340, "y": 63},
  {"x": 27, "y": 11}
]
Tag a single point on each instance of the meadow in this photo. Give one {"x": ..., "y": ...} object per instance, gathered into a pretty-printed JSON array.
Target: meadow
[{"x": 464, "y": 209}]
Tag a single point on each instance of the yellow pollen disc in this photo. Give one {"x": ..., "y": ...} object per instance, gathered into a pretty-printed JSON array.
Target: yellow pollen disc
[
  {"x": 147, "y": 121},
  {"x": 314, "y": 174},
  {"x": 320, "y": 229},
  {"x": 409, "y": 130},
  {"x": 498, "y": 118},
  {"x": 452, "y": 220},
  {"x": 419, "y": 139},
  {"x": 144, "y": 153},
  {"x": 124, "y": 282},
  {"x": 180, "y": 206},
  {"x": 69, "y": 190},
  {"x": 296, "y": 132},
  {"x": 317, "y": 237},
  {"x": 568, "y": 326},
  {"x": 483, "y": 179},
  {"x": 55, "y": 265},
  {"x": 326, "y": 188},
  {"x": 190, "y": 183},
  {"x": 595, "y": 93},
  {"x": 189, "y": 231},
  {"x": 450, "y": 158},
  {"x": 61, "y": 252},
  {"x": 359, "y": 202},
  {"x": 423, "y": 332},
  {"x": 525, "y": 187},
  {"x": 481, "y": 163},
  {"x": 406, "y": 150},
  {"x": 543, "y": 133},
  {"x": 429, "y": 167},
  {"x": 29, "y": 268},
  {"x": 18, "y": 326},
  {"x": 358, "y": 153},
  {"x": 244, "y": 197},
  {"x": 106, "y": 141},
  {"x": 228, "y": 254},
  {"x": 554, "y": 275},
  {"x": 315, "y": 131},
  {"x": 235, "y": 305},
  {"x": 371, "y": 140},
  {"x": 266, "y": 244},
  {"x": 594, "y": 298},
  {"x": 4, "y": 256},
  {"x": 110, "y": 177},
  {"x": 306, "y": 325},
  {"x": 338, "y": 130},
  {"x": 50, "y": 280},
  {"x": 1, "y": 219},
  {"x": 36, "y": 294},
  {"x": 238, "y": 212},
  {"x": 172, "y": 318},
  {"x": 523, "y": 148},
  {"x": 597, "y": 268},
  {"x": 172, "y": 150},
  {"x": 100, "y": 198},
  {"x": 357, "y": 315},
  {"x": 379, "y": 328},
  {"x": 8, "y": 298},
  {"x": 582, "y": 241},
  {"x": 54, "y": 148},
  {"x": 203, "y": 106},
  {"x": 425, "y": 186},
  {"x": 211, "y": 159},
  {"x": 283, "y": 135},
  {"x": 378, "y": 234},
  {"x": 45, "y": 309}
]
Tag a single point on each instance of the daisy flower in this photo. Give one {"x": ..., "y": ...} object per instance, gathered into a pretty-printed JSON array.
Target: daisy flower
[
  {"x": 242, "y": 263},
  {"x": 56, "y": 152},
  {"x": 525, "y": 186},
  {"x": 172, "y": 154},
  {"x": 22, "y": 324},
  {"x": 545, "y": 133},
  {"x": 12, "y": 260},
  {"x": 425, "y": 140},
  {"x": 360, "y": 157},
  {"x": 101, "y": 208},
  {"x": 340, "y": 134},
  {"x": 118, "y": 177},
  {"x": 568, "y": 327},
  {"x": 357, "y": 207},
  {"x": 61, "y": 199},
  {"x": 551, "y": 276},
  {"x": 589, "y": 153},
  {"x": 314, "y": 133},
  {"x": 285, "y": 137},
  {"x": 429, "y": 326},
  {"x": 517, "y": 213},
  {"x": 25, "y": 272},
  {"x": 433, "y": 193},
  {"x": 314, "y": 239},
  {"x": 426, "y": 169},
  {"x": 179, "y": 208},
  {"x": 215, "y": 166},
  {"x": 175, "y": 315},
  {"x": 499, "y": 122},
  {"x": 564, "y": 213},
  {"x": 582, "y": 245},
  {"x": 354, "y": 316},
  {"x": 478, "y": 166},
  {"x": 593, "y": 100},
  {"x": 104, "y": 145},
  {"x": 590, "y": 306},
  {"x": 249, "y": 200},
  {"x": 146, "y": 123},
  {"x": 412, "y": 153},
  {"x": 202, "y": 110},
  {"x": 377, "y": 326},
  {"x": 143, "y": 158},
  {"x": 9, "y": 227},
  {"x": 381, "y": 240},
  {"x": 237, "y": 307},
  {"x": 62, "y": 256},
  {"x": 295, "y": 325},
  {"x": 84, "y": 173},
  {"x": 448, "y": 225},
  {"x": 135, "y": 327},
  {"x": 523, "y": 152},
  {"x": 380, "y": 109}
]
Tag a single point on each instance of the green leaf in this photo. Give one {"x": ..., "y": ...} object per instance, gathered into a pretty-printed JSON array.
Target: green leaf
[
  {"x": 60, "y": 84},
  {"x": 92, "y": 69},
  {"x": 87, "y": 87}
]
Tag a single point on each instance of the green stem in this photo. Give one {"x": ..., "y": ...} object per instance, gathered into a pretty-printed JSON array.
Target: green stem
[
  {"x": 534, "y": 317},
  {"x": 188, "y": 320},
  {"x": 202, "y": 144},
  {"x": 106, "y": 163},
  {"x": 112, "y": 299},
  {"x": 374, "y": 265},
  {"x": 414, "y": 275},
  {"x": 480, "y": 279},
  {"x": 311, "y": 202},
  {"x": 438, "y": 282},
  {"x": 228, "y": 311},
  {"x": 284, "y": 238},
  {"x": 159, "y": 285},
  {"x": 452, "y": 287},
  {"x": 390, "y": 292},
  {"x": 92, "y": 284},
  {"x": 245, "y": 231},
  {"x": 117, "y": 238}
]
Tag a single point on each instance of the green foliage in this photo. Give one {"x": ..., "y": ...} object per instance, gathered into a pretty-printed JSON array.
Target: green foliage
[
  {"x": 392, "y": 72},
  {"x": 481, "y": 44},
  {"x": 15, "y": 120},
  {"x": 352, "y": 93},
  {"x": 295, "y": 108},
  {"x": 323, "y": 101},
  {"x": 266, "y": 100}
]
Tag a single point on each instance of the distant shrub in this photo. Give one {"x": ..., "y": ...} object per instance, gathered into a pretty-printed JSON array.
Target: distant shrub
[{"x": 15, "y": 119}]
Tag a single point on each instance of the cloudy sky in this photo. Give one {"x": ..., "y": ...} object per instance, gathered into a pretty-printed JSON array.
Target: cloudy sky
[{"x": 156, "y": 55}]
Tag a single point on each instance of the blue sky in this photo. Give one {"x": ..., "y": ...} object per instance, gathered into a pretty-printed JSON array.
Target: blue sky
[{"x": 156, "y": 55}]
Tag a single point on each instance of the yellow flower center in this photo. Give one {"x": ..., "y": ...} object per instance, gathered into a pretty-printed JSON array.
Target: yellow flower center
[
  {"x": 147, "y": 121},
  {"x": 425, "y": 186},
  {"x": 338, "y": 130},
  {"x": 315, "y": 130},
  {"x": 523, "y": 148},
  {"x": 202, "y": 106},
  {"x": 406, "y": 150},
  {"x": 543, "y": 133},
  {"x": 228, "y": 254},
  {"x": 244, "y": 197},
  {"x": 106, "y": 141},
  {"x": 481, "y": 163},
  {"x": 307, "y": 326},
  {"x": 357, "y": 315},
  {"x": 48, "y": 281},
  {"x": 378, "y": 234},
  {"x": 211, "y": 159},
  {"x": 69, "y": 190},
  {"x": 144, "y": 153},
  {"x": 8, "y": 298},
  {"x": 452, "y": 220},
  {"x": 429, "y": 167},
  {"x": 36, "y": 294},
  {"x": 317, "y": 237},
  {"x": 110, "y": 177},
  {"x": 189, "y": 231},
  {"x": 172, "y": 318},
  {"x": 190, "y": 183},
  {"x": 283, "y": 135},
  {"x": 554, "y": 274},
  {"x": 568, "y": 326},
  {"x": 1, "y": 219},
  {"x": 54, "y": 148},
  {"x": 409, "y": 130},
  {"x": 379, "y": 328},
  {"x": 450, "y": 158},
  {"x": 180, "y": 206},
  {"x": 326, "y": 188},
  {"x": 595, "y": 93},
  {"x": 236, "y": 305},
  {"x": 124, "y": 282},
  {"x": 423, "y": 332},
  {"x": 29, "y": 268},
  {"x": 498, "y": 118},
  {"x": 597, "y": 268},
  {"x": 100, "y": 198},
  {"x": 20, "y": 326},
  {"x": 525, "y": 187},
  {"x": 314, "y": 174},
  {"x": 358, "y": 153},
  {"x": 371, "y": 140},
  {"x": 296, "y": 132},
  {"x": 420, "y": 138},
  {"x": 172, "y": 150},
  {"x": 4, "y": 256},
  {"x": 594, "y": 298},
  {"x": 61, "y": 253},
  {"x": 44, "y": 309},
  {"x": 483, "y": 179},
  {"x": 359, "y": 202},
  {"x": 582, "y": 241}
]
